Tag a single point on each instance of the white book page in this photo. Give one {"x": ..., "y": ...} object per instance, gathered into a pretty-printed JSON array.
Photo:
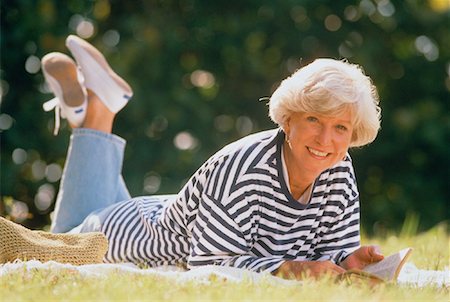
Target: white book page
[{"x": 389, "y": 267}]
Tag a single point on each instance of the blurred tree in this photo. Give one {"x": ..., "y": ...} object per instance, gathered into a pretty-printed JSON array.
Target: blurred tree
[{"x": 198, "y": 69}]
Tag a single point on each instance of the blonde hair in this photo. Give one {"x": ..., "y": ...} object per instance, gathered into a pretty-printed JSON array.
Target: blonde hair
[{"x": 329, "y": 87}]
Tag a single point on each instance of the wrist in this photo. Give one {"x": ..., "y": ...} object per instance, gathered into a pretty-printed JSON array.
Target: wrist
[{"x": 339, "y": 258}]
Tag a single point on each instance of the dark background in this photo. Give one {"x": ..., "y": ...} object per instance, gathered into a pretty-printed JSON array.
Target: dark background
[{"x": 198, "y": 69}]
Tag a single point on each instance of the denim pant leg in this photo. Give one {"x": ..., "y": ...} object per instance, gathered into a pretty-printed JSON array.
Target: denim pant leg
[{"x": 92, "y": 178}]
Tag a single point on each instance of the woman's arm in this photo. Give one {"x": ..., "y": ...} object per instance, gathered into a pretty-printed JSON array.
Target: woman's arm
[
  {"x": 302, "y": 269},
  {"x": 217, "y": 239}
]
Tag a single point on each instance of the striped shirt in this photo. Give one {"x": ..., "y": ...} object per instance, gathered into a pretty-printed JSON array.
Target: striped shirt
[{"x": 236, "y": 210}]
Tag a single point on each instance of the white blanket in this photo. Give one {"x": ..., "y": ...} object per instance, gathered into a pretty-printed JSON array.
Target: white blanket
[
  {"x": 201, "y": 274},
  {"x": 410, "y": 274}
]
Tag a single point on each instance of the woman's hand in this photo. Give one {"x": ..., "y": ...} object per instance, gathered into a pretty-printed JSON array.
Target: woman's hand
[
  {"x": 301, "y": 269},
  {"x": 362, "y": 257}
]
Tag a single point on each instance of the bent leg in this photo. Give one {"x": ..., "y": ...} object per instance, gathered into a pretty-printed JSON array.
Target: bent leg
[
  {"x": 92, "y": 174},
  {"x": 92, "y": 177}
]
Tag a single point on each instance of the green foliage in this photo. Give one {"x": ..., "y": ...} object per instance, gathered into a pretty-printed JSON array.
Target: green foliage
[{"x": 199, "y": 67}]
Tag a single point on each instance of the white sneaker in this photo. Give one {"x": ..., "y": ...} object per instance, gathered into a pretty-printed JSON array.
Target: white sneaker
[
  {"x": 111, "y": 89},
  {"x": 63, "y": 78}
]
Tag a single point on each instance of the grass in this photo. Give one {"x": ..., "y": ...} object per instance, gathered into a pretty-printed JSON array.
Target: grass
[{"x": 431, "y": 252}]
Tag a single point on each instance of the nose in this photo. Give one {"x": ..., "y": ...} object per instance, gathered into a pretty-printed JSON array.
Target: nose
[{"x": 324, "y": 136}]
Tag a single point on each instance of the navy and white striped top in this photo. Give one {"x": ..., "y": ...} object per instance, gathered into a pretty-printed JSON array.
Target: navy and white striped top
[{"x": 236, "y": 210}]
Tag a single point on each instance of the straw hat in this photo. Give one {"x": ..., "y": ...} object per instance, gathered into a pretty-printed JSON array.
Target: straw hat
[{"x": 17, "y": 242}]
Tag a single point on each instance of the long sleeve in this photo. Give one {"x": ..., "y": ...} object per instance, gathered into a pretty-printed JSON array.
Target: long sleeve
[
  {"x": 218, "y": 240},
  {"x": 340, "y": 227}
]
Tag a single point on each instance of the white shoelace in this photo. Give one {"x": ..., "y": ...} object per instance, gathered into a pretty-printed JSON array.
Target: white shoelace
[{"x": 54, "y": 104}]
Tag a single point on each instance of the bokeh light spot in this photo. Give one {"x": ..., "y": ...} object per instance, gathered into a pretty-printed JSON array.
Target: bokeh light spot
[
  {"x": 32, "y": 64},
  {"x": 332, "y": 23},
  {"x": 6, "y": 121},
  {"x": 385, "y": 8},
  {"x": 19, "y": 156},
  {"x": 4, "y": 88},
  {"x": 38, "y": 169},
  {"x": 74, "y": 21},
  {"x": 345, "y": 51},
  {"x": 244, "y": 125},
  {"x": 185, "y": 141},
  {"x": 202, "y": 79},
  {"x": 85, "y": 29},
  {"x": 427, "y": 47},
  {"x": 111, "y": 38},
  {"x": 19, "y": 211},
  {"x": 102, "y": 9},
  {"x": 352, "y": 13},
  {"x": 30, "y": 47},
  {"x": 298, "y": 14},
  {"x": 367, "y": 7},
  {"x": 439, "y": 5},
  {"x": 152, "y": 182},
  {"x": 53, "y": 172},
  {"x": 44, "y": 197}
]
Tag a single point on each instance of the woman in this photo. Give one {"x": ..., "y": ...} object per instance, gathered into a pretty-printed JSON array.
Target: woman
[{"x": 283, "y": 201}]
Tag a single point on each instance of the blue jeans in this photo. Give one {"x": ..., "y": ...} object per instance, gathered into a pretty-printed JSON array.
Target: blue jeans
[{"x": 92, "y": 181}]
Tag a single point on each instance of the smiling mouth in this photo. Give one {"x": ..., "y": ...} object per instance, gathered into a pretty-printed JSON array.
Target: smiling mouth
[{"x": 317, "y": 152}]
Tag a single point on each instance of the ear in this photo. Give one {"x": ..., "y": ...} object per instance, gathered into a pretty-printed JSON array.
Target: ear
[{"x": 287, "y": 126}]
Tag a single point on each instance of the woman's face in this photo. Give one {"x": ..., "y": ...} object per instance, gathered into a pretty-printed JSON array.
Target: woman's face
[{"x": 316, "y": 142}]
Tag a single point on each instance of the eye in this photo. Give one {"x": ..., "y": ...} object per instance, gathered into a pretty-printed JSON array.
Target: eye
[
  {"x": 312, "y": 119},
  {"x": 341, "y": 128}
]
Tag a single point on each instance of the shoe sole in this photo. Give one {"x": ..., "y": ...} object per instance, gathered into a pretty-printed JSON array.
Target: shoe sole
[
  {"x": 63, "y": 70},
  {"x": 73, "y": 40}
]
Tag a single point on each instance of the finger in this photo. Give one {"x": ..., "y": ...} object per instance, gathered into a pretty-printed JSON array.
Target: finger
[
  {"x": 363, "y": 253},
  {"x": 375, "y": 253}
]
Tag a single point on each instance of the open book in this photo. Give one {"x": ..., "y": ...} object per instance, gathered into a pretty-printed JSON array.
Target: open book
[{"x": 387, "y": 269}]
